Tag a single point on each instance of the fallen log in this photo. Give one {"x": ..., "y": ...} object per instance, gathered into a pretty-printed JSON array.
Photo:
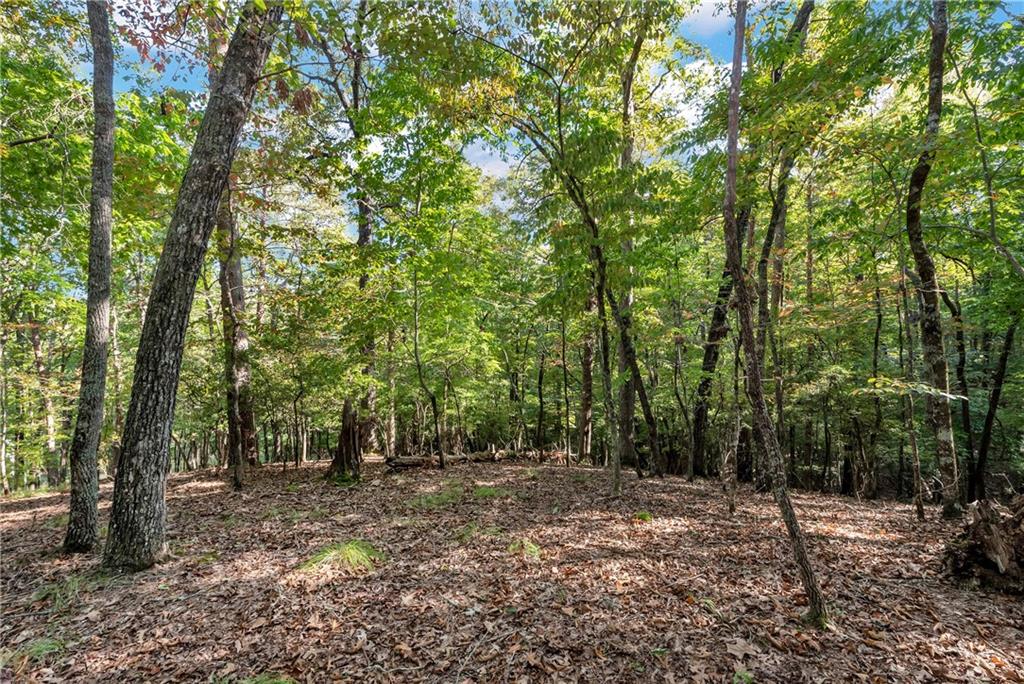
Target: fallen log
[
  {"x": 429, "y": 460},
  {"x": 989, "y": 550}
]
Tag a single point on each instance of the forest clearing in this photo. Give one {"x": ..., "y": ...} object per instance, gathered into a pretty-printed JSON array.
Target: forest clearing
[
  {"x": 499, "y": 572},
  {"x": 511, "y": 340}
]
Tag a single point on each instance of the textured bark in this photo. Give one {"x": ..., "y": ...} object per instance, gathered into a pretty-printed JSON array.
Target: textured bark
[
  {"x": 138, "y": 514},
  {"x": 990, "y": 548},
  {"x": 606, "y": 380},
  {"x": 83, "y": 523},
  {"x": 241, "y": 420},
  {"x": 629, "y": 352},
  {"x": 932, "y": 345},
  {"x": 817, "y": 610},
  {"x": 998, "y": 378},
  {"x": 717, "y": 331}
]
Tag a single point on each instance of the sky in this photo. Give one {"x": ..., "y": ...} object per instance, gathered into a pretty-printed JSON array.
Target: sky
[{"x": 708, "y": 25}]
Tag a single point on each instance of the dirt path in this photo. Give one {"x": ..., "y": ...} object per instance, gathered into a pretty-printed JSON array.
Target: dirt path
[{"x": 496, "y": 572}]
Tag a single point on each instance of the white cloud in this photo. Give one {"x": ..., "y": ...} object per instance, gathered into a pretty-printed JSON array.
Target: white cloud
[
  {"x": 487, "y": 159},
  {"x": 708, "y": 18}
]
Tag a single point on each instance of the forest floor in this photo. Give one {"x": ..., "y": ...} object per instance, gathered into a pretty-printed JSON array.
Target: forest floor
[{"x": 496, "y": 572}]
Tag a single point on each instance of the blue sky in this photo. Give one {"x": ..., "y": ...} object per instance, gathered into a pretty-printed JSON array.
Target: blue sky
[{"x": 709, "y": 24}]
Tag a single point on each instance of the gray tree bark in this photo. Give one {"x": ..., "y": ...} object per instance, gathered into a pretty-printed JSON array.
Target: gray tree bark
[
  {"x": 932, "y": 345},
  {"x": 83, "y": 523},
  {"x": 138, "y": 515},
  {"x": 817, "y": 610}
]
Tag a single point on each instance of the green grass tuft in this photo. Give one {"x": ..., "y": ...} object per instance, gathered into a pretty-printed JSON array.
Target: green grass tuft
[
  {"x": 452, "y": 492},
  {"x": 524, "y": 547},
  {"x": 57, "y": 522},
  {"x": 490, "y": 492},
  {"x": 268, "y": 678},
  {"x": 355, "y": 554},
  {"x": 33, "y": 651},
  {"x": 643, "y": 516},
  {"x": 742, "y": 677},
  {"x": 66, "y": 592},
  {"x": 470, "y": 530},
  {"x": 344, "y": 480}
]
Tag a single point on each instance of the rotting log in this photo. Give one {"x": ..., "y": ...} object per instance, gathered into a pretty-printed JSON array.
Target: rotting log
[{"x": 989, "y": 550}]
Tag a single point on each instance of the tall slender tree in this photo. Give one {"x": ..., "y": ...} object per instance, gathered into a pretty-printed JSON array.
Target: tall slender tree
[
  {"x": 83, "y": 524},
  {"x": 817, "y": 610},
  {"x": 241, "y": 419},
  {"x": 138, "y": 515},
  {"x": 932, "y": 343}
]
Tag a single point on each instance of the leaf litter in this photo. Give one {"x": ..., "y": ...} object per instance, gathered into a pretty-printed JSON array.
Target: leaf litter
[{"x": 496, "y": 572}]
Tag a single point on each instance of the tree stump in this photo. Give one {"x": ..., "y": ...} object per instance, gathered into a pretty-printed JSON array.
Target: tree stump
[{"x": 990, "y": 549}]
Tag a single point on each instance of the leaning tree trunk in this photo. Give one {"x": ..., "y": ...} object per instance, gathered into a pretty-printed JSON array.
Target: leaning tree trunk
[
  {"x": 712, "y": 350},
  {"x": 138, "y": 515},
  {"x": 817, "y": 610},
  {"x": 931, "y": 321},
  {"x": 83, "y": 523}
]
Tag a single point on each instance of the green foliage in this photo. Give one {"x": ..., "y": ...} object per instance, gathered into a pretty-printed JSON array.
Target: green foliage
[
  {"x": 35, "y": 651},
  {"x": 484, "y": 492},
  {"x": 524, "y": 548},
  {"x": 471, "y": 530},
  {"x": 268, "y": 678},
  {"x": 66, "y": 593},
  {"x": 643, "y": 516},
  {"x": 353, "y": 555},
  {"x": 451, "y": 493}
]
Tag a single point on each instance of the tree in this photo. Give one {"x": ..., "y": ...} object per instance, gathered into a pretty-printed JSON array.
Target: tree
[
  {"x": 817, "y": 610},
  {"x": 138, "y": 514},
  {"x": 83, "y": 524},
  {"x": 932, "y": 341}
]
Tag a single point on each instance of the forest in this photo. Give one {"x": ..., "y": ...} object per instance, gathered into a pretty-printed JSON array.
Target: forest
[{"x": 511, "y": 340}]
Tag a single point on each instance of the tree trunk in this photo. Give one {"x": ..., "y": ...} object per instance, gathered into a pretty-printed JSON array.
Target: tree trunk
[
  {"x": 565, "y": 396},
  {"x": 586, "y": 426},
  {"x": 115, "y": 352},
  {"x": 993, "y": 405},
  {"x": 932, "y": 345},
  {"x": 956, "y": 311},
  {"x": 817, "y": 612},
  {"x": 138, "y": 514},
  {"x": 83, "y": 523},
  {"x": 3, "y": 415},
  {"x": 540, "y": 436},
  {"x": 908, "y": 400},
  {"x": 717, "y": 331},
  {"x": 606, "y": 382},
  {"x": 627, "y": 390}
]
